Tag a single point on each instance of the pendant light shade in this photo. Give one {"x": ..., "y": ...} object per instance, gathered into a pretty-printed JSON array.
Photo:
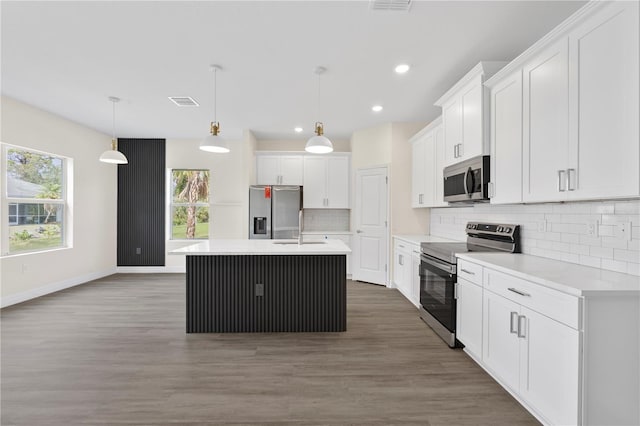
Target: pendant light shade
[
  {"x": 319, "y": 144},
  {"x": 214, "y": 142},
  {"x": 113, "y": 156}
]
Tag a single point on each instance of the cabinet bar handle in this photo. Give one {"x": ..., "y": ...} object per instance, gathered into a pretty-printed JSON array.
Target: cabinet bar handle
[
  {"x": 460, "y": 150},
  {"x": 512, "y": 326},
  {"x": 467, "y": 272},
  {"x": 571, "y": 187},
  {"x": 521, "y": 293},
  {"x": 400, "y": 260},
  {"x": 561, "y": 186},
  {"x": 522, "y": 325},
  {"x": 455, "y": 151}
]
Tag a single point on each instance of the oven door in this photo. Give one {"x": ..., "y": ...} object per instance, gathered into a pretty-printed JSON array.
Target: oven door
[{"x": 437, "y": 282}]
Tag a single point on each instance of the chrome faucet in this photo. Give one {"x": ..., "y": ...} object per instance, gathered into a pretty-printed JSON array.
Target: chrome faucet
[{"x": 300, "y": 218}]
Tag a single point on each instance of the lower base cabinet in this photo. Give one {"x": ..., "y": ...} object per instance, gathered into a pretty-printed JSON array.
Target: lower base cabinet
[
  {"x": 469, "y": 325},
  {"x": 570, "y": 360},
  {"x": 406, "y": 269},
  {"x": 533, "y": 355}
]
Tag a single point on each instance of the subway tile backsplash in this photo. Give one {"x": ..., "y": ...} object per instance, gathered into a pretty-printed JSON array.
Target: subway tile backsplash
[
  {"x": 602, "y": 234},
  {"x": 326, "y": 220}
]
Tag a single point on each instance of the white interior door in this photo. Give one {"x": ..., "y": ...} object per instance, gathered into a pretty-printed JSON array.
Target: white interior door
[{"x": 371, "y": 236}]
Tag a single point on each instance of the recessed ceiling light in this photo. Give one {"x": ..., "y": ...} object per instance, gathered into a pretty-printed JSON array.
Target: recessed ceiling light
[
  {"x": 298, "y": 129},
  {"x": 402, "y": 68},
  {"x": 376, "y": 108}
]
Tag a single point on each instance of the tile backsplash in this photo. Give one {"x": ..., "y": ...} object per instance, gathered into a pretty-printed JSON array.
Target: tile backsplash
[
  {"x": 602, "y": 234},
  {"x": 326, "y": 220}
]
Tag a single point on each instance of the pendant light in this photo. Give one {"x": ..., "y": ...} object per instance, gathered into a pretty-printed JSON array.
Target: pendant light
[
  {"x": 214, "y": 142},
  {"x": 112, "y": 155},
  {"x": 319, "y": 144}
]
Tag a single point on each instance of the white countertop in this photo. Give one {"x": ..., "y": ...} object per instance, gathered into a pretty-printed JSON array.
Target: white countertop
[
  {"x": 566, "y": 277},
  {"x": 417, "y": 239},
  {"x": 262, "y": 247}
]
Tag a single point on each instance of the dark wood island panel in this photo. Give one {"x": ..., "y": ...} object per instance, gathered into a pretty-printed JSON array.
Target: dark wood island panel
[{"x": 266, "y": 293}]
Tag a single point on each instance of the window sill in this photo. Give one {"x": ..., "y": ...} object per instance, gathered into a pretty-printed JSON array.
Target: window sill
[{"x": 31, "y": 253}]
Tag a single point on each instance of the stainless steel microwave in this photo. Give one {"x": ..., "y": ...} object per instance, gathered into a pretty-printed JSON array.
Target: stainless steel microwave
[{"x": 467, "y": 181}]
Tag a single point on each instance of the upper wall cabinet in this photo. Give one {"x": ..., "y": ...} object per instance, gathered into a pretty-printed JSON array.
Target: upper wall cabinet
[
  {"x": 580, "y": 108},
  {"x": 604, "y": 105},
  {"x": 277, "y": 169},
  {"x": 465, "y": 115},
  {"x": 326, "y": 181},
  {"x": 427, "y": 164},
  {"x": 506, "y": 140}
]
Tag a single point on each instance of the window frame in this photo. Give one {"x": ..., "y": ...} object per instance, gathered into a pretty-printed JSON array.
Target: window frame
[
  {"x": 63, "y": 201},
  {"x": 171, "y": 204}
]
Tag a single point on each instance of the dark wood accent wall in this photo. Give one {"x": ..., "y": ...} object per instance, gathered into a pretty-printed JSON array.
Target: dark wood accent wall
[
  {"x": 141, "y": 203},
  {"x": 279, "y": 293}
]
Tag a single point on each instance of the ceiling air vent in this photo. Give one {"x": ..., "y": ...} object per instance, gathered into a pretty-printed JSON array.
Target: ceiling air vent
[
  {"x": 390, "y": 5},
  {"x": 184, "y": 101}
]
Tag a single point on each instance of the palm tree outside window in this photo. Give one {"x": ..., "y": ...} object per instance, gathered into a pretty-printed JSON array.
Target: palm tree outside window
[{"x": 189, "y": 204}]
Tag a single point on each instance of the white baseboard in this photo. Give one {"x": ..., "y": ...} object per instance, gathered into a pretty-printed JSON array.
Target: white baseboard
[
  {"x": 151, "y": 269},
  {"x": 52, "y": 288}
]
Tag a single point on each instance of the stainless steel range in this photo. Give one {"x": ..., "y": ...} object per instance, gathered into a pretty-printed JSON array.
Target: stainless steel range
[{"x": 438, "y": 272}]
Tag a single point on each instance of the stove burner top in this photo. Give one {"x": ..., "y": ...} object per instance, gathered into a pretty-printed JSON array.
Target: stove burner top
[{"x": 481, "y": 237}]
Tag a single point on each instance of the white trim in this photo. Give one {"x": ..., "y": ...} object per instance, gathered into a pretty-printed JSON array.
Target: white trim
[
  {"x": 485, "y": 69},
  {"x": 151, "y": 269},
  {"x": 52, "y": 288}
]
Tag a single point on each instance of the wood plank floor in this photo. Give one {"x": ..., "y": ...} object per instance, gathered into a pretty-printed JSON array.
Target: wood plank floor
[{"x": 114, "y": 351}]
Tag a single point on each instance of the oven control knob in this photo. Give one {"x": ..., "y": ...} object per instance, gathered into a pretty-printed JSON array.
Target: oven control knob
[
  {"x": 507, "y": 229},
  {"x": 500, "y": 228}
]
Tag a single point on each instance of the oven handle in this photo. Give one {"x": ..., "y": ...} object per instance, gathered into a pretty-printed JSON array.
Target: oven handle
[{"x": 438, "y": 264}]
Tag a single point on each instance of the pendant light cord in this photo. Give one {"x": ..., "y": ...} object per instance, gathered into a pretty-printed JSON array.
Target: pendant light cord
[
  {"x": 113, "y": 123},
  {"x": 318, "y": 113},
  {"x": 215, "y": 92}
]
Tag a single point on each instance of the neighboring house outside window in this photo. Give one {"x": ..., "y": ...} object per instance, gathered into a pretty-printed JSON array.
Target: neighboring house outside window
[
  {"x": 189, "y": 204},
  {"x": 35, "y": 196}
]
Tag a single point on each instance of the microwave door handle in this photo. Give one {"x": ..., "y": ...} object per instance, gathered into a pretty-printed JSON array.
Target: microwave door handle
[{"x": 466, "y": 175}]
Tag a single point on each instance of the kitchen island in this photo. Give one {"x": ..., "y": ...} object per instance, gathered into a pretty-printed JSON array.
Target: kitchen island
[{"x": 265, "y": 286}]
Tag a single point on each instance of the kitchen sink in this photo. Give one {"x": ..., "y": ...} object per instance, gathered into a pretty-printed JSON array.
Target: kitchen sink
[{"x": 295, "y": 242}]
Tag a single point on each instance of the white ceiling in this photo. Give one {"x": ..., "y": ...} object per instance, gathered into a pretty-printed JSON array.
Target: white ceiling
[{"x": 68, "y": 57}]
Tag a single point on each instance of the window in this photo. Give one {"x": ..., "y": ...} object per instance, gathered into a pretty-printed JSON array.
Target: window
[
  {"x": 35, "y": 197},
  {"x": 189, "y": 204}
]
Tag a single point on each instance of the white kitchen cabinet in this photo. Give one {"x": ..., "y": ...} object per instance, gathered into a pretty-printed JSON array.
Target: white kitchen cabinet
[
  {"x": 415, "y": 276},
  {"x": 279, "y": 169},
  {"x": 326, "y": 182},
  {"x": 418, "y": 172},
  {"x": 546, "y": 124},
  {"x": 506, "y": 140},
  {"x": 402, "y": 268},
  {"x": 427, "y": 184},
  {"x": 580, "y": 108},
  {"x": 534, "y": 356},
  {"x": 439, "y": 156},
  {"x": 406, "y": 269},
  {"x": 604, "y": 153},
  {"x": 465, "y": 115},
  {"x": 555, "y": 351},
  {"x": 469, "y": 316}
]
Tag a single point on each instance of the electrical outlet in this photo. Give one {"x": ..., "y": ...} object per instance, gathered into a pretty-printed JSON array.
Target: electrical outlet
[
  {"x": 592, "y": 228},
  {"x": 23, "y": 268},
  {"x": 542, "y": 226},
  {"x": 623, "y": 230},
  {"x": 138, "y": 250}
]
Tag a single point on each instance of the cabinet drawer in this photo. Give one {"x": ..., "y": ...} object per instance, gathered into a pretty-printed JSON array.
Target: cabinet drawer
[
  {"x": 470, "y": 271},
  {"x": 401, "y": 245},
  {"x": 554, "y": 304}
]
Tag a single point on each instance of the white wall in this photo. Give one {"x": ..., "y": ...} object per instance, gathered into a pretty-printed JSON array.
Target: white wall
[
  {"x": 93, "y": 216},
  {"x": 559, "y": 230},
  {"x": 231, "y": 175}
]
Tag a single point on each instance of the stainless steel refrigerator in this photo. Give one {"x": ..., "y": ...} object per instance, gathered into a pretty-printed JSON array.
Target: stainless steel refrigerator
[{"x": 273, "y": 211}]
